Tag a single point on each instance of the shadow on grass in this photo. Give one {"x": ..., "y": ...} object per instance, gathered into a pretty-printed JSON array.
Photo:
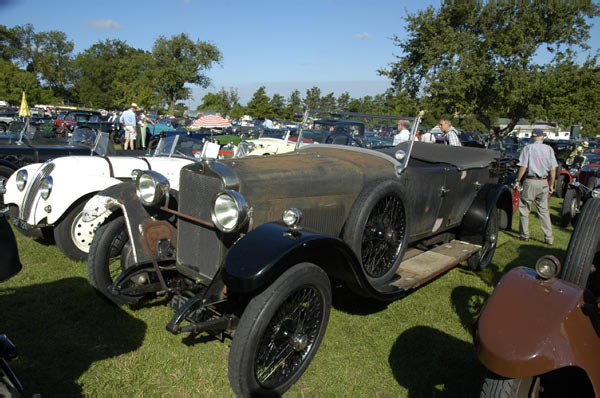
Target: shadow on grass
[
  {"x": 60, "y": 329},
  {"x": 468, "y": 303},
  {"x": 344, "y": 299},
  {"x": 431, "y": 363}
]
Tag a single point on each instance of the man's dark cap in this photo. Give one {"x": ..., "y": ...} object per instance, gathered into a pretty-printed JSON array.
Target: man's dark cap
[{"x": 537, "y": 133}]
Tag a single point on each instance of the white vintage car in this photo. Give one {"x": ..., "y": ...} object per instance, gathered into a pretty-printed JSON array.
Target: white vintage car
[{"x": 52, "y": 195}]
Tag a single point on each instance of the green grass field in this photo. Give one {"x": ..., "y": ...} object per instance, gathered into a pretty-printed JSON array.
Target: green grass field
[{"x": 72, "y": 343}]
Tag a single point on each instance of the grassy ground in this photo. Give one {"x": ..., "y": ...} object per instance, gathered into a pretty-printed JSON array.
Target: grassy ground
[{"x": 72, "y": 343}]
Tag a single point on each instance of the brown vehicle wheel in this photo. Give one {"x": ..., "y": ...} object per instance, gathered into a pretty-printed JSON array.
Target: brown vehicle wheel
[
  {"x": 582, "y": 260},
  {"x": 377, "y": 230}
]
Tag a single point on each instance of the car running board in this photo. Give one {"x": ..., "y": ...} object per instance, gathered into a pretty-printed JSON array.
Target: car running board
[{"x": 420, "y": 266}]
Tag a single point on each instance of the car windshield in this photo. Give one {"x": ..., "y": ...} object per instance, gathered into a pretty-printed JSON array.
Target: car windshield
[
  {"x": 180, "y": 146},
  {"x": 84, "y": 136}
]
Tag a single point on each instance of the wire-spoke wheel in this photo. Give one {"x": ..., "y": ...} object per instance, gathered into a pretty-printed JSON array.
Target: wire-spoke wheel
[
  {"x": 377, "y": 229},
  {"x": 280, "y": 331},
  {"x": 483, "y": 257}
]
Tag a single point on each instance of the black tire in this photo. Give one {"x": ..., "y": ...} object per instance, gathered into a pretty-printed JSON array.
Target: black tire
[
  {"x": 561, "y": 186},
  {"x": 5, "y": 173},
  {"x": 591, "y": 183},
  {"x": 290, "y": 314},
  {"x": 483, "y": 257},
  {"x": 3, "y": 127},
  {"x": 116, "y": 137},
  {"x": 581, "y": 252},
  {"x": 153, "y": 143},
  {"x": 498, "y": 387},
  {"x": 377, "y": 230},
  {"x": 110, "y": 244},
  {"x": 570, "y": 208},
  {"x": 65, "y": 234}
]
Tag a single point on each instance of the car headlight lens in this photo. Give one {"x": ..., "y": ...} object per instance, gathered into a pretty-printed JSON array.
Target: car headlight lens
[
  {"x": 151, "y": 187},
  {"x": 573, "y": 171},
  {"x": 46, "y": 187},
  {"x": 596, "y": 193},
  {"x": 292, "y": 217},
  {"x": 21, "y": 180},
  {"x": 230, "y": 211},
  {"x": 547, "y": 267}
]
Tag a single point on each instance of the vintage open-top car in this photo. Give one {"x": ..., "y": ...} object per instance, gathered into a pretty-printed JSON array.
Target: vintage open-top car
[
  {"x": 51, "y": 195},
  {"x": 251, "y": 245}
]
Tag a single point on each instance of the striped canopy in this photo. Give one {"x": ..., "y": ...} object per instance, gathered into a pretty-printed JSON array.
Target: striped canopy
[{"x": 210, "y": 121}]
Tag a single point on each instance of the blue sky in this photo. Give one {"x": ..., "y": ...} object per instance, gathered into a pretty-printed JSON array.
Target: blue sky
[{"x": 336, "y": 45}]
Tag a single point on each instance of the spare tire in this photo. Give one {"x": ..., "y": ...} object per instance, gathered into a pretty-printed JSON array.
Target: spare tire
[{"x": 377, "y": 230}]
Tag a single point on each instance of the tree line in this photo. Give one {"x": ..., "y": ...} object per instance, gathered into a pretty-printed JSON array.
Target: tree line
[{"x": 472, "y": 62}]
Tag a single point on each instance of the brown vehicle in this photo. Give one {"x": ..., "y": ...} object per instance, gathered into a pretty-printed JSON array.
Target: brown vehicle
[{"x": 539, "y": 335}]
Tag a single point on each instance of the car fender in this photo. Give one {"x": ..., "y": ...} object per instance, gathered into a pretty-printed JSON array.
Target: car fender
[
  {"x": 266, "y": 252},
  {"x": 64, "y": 195},
  {"x": 13, "y": 196},
  {"x": 530, "y": 326},
  {"x": 475, "y": 219}
]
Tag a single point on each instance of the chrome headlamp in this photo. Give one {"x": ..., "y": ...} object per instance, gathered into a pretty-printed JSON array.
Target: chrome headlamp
[
  {"x": 292, "y": 217},
  {"x": 596, "y": 193},
  {"x": 547, "y": 267},
  {"x": 230, "y": 211},
  {"x": 46, "y": 187},
  {"x": 21, "y": 179},
  {"x": 151, "y": 187}
]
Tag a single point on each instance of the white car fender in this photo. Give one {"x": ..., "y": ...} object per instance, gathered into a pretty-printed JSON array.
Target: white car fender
[{"x": 13, "y": 196}]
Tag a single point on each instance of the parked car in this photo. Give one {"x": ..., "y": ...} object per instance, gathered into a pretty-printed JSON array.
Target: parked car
[
  {"x": 68, "y": 120},
  {"x": 52, "y": 195},
  {"x": 539, "y": 335},
  {"x": 253, "y": 244},
  {"x": 36, "y": 148}
]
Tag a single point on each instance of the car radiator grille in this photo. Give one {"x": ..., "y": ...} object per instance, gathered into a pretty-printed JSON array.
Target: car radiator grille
[
  {"x": 199, "y": 249},
  {"x": 32, "y": 190}
]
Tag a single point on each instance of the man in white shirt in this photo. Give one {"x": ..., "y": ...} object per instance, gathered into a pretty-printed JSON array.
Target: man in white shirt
[
  {"x": 403, "y": 133},
  {"x": 428, "y": 137}
]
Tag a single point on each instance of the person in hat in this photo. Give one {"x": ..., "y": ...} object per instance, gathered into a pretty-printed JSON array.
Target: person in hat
[
  {"x": 129, "y": 121},
  {"x": 537, "y": 168}
]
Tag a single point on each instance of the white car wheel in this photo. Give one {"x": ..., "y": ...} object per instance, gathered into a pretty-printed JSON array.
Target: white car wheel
[{"x": 82, "y": 233}]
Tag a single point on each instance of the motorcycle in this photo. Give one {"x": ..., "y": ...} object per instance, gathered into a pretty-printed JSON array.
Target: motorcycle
[{"x": 10, "y": 265}]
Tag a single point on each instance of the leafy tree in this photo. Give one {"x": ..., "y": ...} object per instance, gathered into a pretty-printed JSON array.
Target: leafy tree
[
  {"x": 277, "y": 106},
  {"x": 477, "y": 57},
  {"x": 313, "y": 98},
  {"x": 328, "y": 102},
  {"x": 13, "y": 81},
  {"x": 259, "y": 106},
  {"x": 223, "y": 101},
  {"x": 180, "y": 61},
  {"x": 294, "y": 105},
  {"x": 237, "y": 112},
  {"x": 9, "y": 43},
  {"x": 102, "y": 79},
  {"x": 343, "y": 101}
]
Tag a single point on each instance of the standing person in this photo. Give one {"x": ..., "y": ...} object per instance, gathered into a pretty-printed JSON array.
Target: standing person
[
  {"x": 403, "y": 133},
  {"x": 428, "y": 137},
  {"x": 128, "y": 120},
  {"x": 142, "y": 121},
  {"x": 450, "y": 133},
  {"x": 536, "y": 163},
  {"x": 267, "y": 123}
]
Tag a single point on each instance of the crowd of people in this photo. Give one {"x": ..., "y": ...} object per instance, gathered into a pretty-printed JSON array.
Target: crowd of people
[{"x": 449, "y": 133}]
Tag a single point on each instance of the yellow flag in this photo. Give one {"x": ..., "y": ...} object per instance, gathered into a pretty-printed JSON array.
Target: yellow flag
[{"x": 24, "y": 110}]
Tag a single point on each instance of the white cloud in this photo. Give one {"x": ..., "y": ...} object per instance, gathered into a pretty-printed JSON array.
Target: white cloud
[
  {"x": 102, "y": 24},
  {"x": 361, "y": 36}
]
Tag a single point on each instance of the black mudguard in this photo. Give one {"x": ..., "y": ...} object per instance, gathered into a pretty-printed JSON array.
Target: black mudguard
[
  {"x": 9, "y": 164},
  {"x": 473, "y": 224},
  {"x": 10, "y": 263},
  {"x": 262, "y": 255}
]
